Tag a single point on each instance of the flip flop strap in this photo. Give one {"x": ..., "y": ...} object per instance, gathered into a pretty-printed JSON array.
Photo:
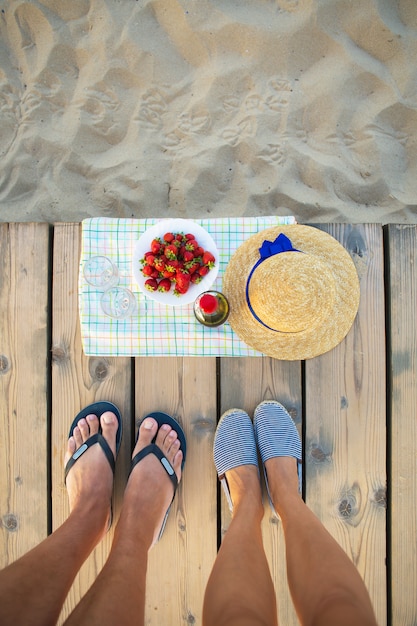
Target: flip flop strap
[
  {"x": 91, "y": 441},
  {"x": 154, "y": 449}
]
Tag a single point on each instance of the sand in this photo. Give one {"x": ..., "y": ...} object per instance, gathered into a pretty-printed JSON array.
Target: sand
[{"x": 206, "y": 108}]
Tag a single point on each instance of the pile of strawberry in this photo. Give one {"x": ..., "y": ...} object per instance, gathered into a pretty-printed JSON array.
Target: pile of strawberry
[{"x": 175, "y": 259}]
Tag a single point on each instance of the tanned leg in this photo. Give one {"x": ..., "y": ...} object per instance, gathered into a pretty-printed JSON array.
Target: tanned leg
[
  {"x": 118, "y": 594},
  {"x": 325, "y": 585},
  {"x": 240, "y": 590},
  {"x": 33, "y": 588}
]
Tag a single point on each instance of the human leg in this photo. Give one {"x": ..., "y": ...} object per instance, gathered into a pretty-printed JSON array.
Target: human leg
[
  {"x": 240, "y": 590},
  {"x": 118, "y": 594},
  {"x": 33, "y": 588},
  {"x": 325, "y": 585}
]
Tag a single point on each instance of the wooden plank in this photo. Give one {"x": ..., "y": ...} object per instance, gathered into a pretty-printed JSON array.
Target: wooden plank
[
  {"x": 402, "y": 264},
  {"x": 78, "y": 380},
  {"x": 24, "y": 251},
  {"x": 346, "y": 422},
  {"x": 180, "y": 564},
  {"x": 245, "y": 382}
]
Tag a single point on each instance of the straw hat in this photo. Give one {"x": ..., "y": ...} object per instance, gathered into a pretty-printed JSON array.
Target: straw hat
[{"x": 293, "y": 292}]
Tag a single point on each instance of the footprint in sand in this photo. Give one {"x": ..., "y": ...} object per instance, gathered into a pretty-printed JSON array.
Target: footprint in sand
[
  {"x": 231, "y": 104},
  {"x": 194, "y": 123},
  {"x": 153, "y": 108},
  {"x": 273, "y": 153},
  {"x": 243, "y": 130}
]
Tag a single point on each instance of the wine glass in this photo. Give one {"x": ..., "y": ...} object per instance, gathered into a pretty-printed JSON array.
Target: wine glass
[
  {"x": 118, "y": 303},
  {"x": 101, "y": 272}
]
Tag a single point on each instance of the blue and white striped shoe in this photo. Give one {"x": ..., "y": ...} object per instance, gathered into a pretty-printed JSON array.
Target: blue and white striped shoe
[
  {"x": 234, "y": 445},
  {"x": 276, "y": 435}
]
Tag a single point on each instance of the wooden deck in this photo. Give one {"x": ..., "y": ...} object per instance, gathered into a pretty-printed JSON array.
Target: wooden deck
[{"x": 355, "y": 407}]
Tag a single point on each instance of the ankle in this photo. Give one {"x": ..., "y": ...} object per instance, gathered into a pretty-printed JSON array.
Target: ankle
[
  {"x": 245, "y": 490},
  {"x": 94, "y": 520},
  {"x": 283, "y": 481}
]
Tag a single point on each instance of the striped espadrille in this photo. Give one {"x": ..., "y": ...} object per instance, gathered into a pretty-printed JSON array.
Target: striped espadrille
[
  {"x": 234, "y": 445},
  {"x": 276, "y": 435}
]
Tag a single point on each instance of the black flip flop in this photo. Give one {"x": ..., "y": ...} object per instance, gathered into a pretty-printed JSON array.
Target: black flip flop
[
  {"x": 152, "y": 448},
  {"x": 97, "y": 408}
]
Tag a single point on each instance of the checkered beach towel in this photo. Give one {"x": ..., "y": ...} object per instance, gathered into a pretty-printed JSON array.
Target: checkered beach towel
[{"x": 156, "y": 329}]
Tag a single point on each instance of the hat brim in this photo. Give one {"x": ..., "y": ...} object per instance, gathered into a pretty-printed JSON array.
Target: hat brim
[{"x": 309, "y": 342}]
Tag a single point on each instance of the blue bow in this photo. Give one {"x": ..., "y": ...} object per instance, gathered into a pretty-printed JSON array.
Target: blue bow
[
  {"x": 269, "y": 248},
  {"x": 281, "y": 244}
]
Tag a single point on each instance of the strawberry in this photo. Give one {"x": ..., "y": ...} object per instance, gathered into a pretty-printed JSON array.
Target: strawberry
[
  {"x": 199, "y": 251},
  {"x": 147, "y": 270},
  {"x": 182, "y": 280},
  {"x": 169, "y": 272},
  {"x": 171, "y": 251},
  {"x": 192, "y": 267},
  {"x": 204, "y": 270},
  {"x": 149, "y": 258},
  {"x": 191, "y": 245},
  {"x": 187, "y": 256},
  {"x": 189, "y": 236},
  {"x": 169, "y": 237},
  {"x": 196, "y": 278},
  {"x": 208, "y": 259},
  {"x": 160, "y": 264},
  {"x": 156, "y": 246},
  {"x": 151, "y": 284},
  {"x": 164, "y": 285}
]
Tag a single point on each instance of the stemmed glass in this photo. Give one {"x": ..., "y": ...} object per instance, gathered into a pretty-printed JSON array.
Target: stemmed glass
[
  {"x": 101, "y": 272},
  {"x": 117, "y": 302}
]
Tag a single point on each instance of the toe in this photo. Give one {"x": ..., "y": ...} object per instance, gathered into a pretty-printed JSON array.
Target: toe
[
  {"x": 177, "y": 457},
  {"x": 147, "y": 431},
  {"x": 165, "y": 437},
  {"x": 77, "y": 436},
  {"x": 84, "y": 429},
  {"x": 109, "y": 427},
  {"x": 71, "y": 448},
  {"x": 93, "y": 424},
  {"x": 167, "y": 440}
]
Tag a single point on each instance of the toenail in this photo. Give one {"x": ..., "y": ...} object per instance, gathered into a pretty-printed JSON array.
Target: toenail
[
  {"x": 108, "y": 419},
  {"x": 148, "y": 424}
]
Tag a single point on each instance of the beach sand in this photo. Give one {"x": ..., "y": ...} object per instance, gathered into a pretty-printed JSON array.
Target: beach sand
[{"x": 208, "y": 108}]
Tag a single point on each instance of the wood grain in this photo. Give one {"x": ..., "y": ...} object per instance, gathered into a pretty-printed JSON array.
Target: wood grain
[
  {"x": 24, "y": 251},
  {"x": 402, "y": 248},
  {"x": 78, "y": 380},
  {"x": 346, "y": 422},
  {"x": 180, "y": 564},
  {"x": 44, "y": 383},
  {"x": 244, "y": 383}
]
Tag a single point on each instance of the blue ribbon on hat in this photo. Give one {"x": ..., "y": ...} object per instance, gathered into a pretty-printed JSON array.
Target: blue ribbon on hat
[{"x": 269, "y": 248}]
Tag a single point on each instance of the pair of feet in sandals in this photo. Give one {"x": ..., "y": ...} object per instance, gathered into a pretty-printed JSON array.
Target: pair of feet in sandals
[
  {"x": 159, "y": 456},
  {"x": 89, "y": 477}
]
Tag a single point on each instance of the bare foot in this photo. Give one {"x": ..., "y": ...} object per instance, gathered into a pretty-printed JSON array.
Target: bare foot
[
  {"x": 90, "y": 480},
  {"x": 283, "y": 481},
  {"x": 149, "y": 489},
  {"x": 245, "y": 490}
]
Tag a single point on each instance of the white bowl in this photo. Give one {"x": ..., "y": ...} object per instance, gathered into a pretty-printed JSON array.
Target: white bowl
[{"x": 159, "y": 229}]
